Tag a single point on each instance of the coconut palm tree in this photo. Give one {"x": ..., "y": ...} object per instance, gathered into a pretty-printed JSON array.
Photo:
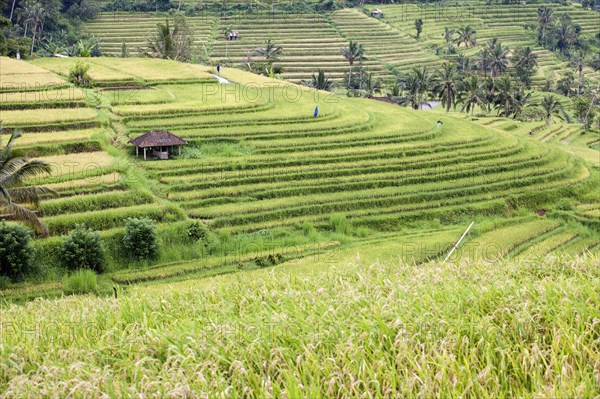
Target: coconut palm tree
[
  {"x": 524, "y": 61},
  {"x": 470, "y": 94},
  {"x": 466, "y": 35},
  {"x": 174, "y": 44},
  {"x": 13, "y": 193},
  {"x": 483, "y": 60},
  {"x": 521, "y": 101},
  {"x": 578, "y": 63},
  {"x": 464, "y": 64},
  {"x": 321, "y": 82},
  {"x": 448, "y": 35},
  {"x": 34, "y": 15},
  {"x": 270, "y": 52},
  {"x": 565, "y": 35},
  {"x": 446, "y": 82},
  {"x": 406, "y": 91},
  {"x": 414, "y": 87},
  {"x": 419, "y": 26},
  {"x": 354, "y": 52},
  {"x": 505, "y": 100},
  {"x": 545, "y": 16},
  {"x": 161, "y": 44},
  {"x": 498, "y": 59},
  {"x": 371, "y": 85},
  {"x": 551, "y": 107}
]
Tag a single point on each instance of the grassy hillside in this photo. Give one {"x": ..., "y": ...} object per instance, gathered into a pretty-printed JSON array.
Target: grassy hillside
[{"x": 320, "y": 329}]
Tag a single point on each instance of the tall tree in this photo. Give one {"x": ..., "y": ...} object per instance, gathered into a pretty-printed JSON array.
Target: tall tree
[
  {"x": 524, "y": 61},
  {"x": 419, "y": 26},
  {"x": 545, "y": 17},
  {"x": 14, "y": 193},
  {"x": 470, "y": 94},
  {"x": 577, "y": 62},
  {"x": 174, "y": 44},
  {"x": 446, "y": 82},
  {"x": 551, "y": 107},
  {"x": 483, "y": 60},
  {"x": 498, "y": 59},
  {"x": 564, "y": 35},
  {"x": 506, "y": 98},
  {"x": 466, "y": 35},
  {"x": 413, "y": 87},
  {"x": 354, "y": 52},
  {"x": 448, "y": 35}
]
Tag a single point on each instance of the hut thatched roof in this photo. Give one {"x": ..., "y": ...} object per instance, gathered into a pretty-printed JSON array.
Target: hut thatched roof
[{"x": 157, "y": 138}]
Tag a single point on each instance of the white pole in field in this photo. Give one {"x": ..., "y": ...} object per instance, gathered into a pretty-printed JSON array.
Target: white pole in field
[{"x": 458, "y": 243}]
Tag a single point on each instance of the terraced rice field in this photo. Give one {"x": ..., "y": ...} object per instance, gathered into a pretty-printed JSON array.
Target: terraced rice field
[
  {"x": 505, "y": 22},
  {"x": 312, "y": 41},
  {"x": 134, "y": 29},
  {"x": 259, "y": 161}
]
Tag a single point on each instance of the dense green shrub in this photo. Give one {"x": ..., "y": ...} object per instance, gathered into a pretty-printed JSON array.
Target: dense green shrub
[
  {"x": 78, "y": 75},
  {"x": 15, "y": 252},
  {"x": 81, "y": 282},
  {"x": 141, "y": 239},
  {"x": 82, "y": 249},
  {"x": 198, "y": 232},
  {"x": 340, "y": 224}
]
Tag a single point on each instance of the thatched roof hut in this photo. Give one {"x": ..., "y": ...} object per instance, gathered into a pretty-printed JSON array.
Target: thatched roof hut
[{"x": 160, "y": 142}]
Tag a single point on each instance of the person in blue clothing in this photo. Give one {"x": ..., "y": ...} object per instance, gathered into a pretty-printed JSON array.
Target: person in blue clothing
[
  {"x": 218, "y": 69},
  {"x": 316, "y": 111}
]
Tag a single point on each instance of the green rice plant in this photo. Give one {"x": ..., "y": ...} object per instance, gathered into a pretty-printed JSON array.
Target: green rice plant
[
  {"x": 510, "y": 325},
  {"x": 80, "y": 282}
]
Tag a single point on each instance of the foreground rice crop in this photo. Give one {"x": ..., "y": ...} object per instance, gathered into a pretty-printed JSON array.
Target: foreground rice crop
[{"x": 320, "y": 328}]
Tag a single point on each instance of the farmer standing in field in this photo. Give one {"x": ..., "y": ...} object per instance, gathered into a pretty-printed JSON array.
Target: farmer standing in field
[{"x": 218, "y": 69}]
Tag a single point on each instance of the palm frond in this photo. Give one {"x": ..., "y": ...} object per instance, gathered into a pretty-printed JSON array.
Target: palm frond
[
  {"x": 24, "y": 215},
  {"x": 32, "y": 168},
  {"x": 32, "y": 195}
]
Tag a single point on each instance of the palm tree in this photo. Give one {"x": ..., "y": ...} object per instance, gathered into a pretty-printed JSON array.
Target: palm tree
[
  {"x": 354, "y": 52},
  {"x": 524, "y": 61},
  {"x": 406, "y": 91},
  {"x": 174, "y": 44},
  {"x": 34, "y": 15},
  {"x": 551, "y": 106},
  {"x": 545, "y": 17},
  {"x": 594, "y": 62},
  {"x": 498, "y": 59},
  {"x": 161, "y": 44},
  {"x": 470, "y": 94},
  {"x": 466, "y": 35},
  {"x": 371, "y": 85},
  {"x": 413, "y": 87},
  {"x": 448, "y": 35},
  {"x": 483, "y": 60},
  {"x": 13, "y": 193},
  {"x": 578, "y": 63},
  {"x": 446, "y": 84},
  {"x": 270, "y": 52},
  {"x": 505, "y": 100},
  {"x": 564, "y": 34},
  {"x": 464, "y": 64},
  {"x": 419, "y": 26},
  {"x": 321, "y": 82}
]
